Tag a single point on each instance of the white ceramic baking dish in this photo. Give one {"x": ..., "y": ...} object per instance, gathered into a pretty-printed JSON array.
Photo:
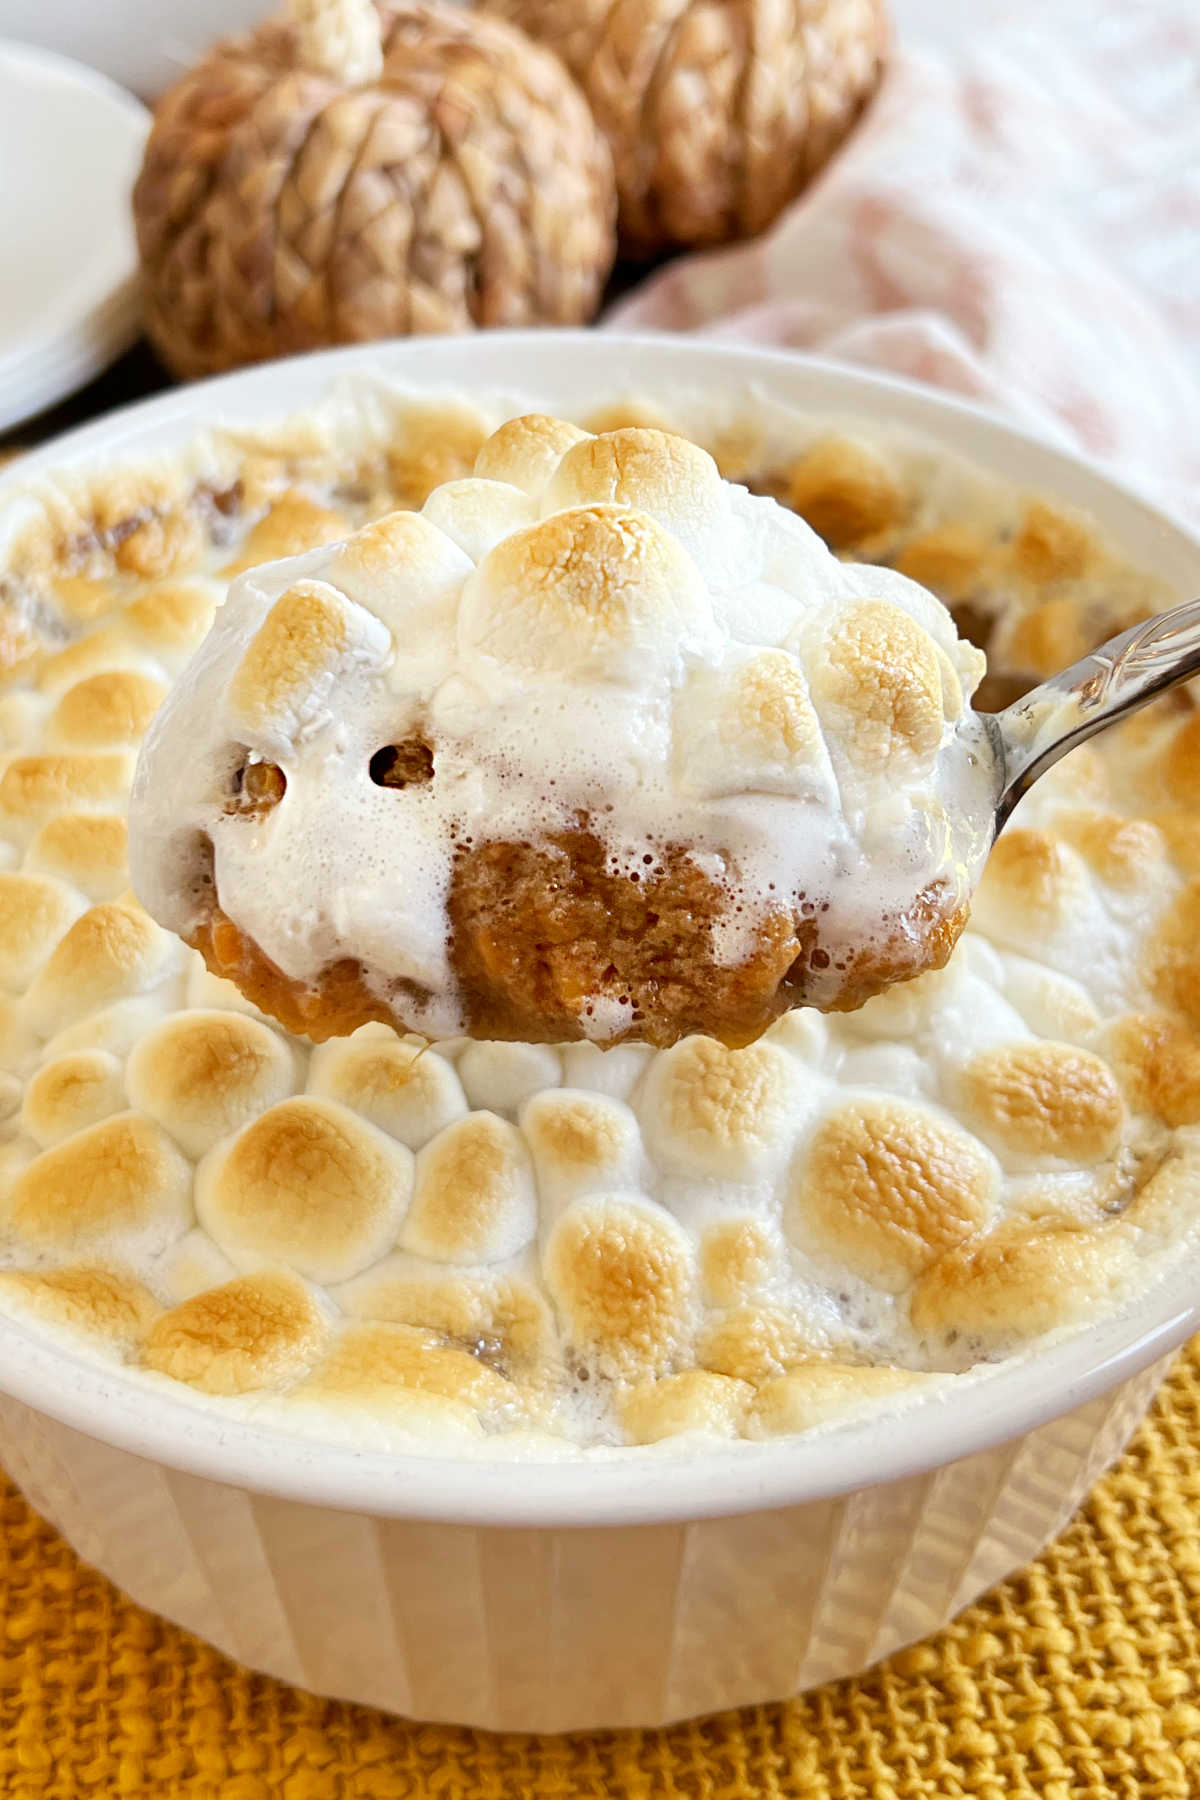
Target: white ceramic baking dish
[{"x": 640, "y": 1587}]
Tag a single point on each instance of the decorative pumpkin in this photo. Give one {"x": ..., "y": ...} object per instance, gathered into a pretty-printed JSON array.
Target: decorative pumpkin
[
  {"x": 351, "y": 172},
  {"x": 717, "y": 111}
]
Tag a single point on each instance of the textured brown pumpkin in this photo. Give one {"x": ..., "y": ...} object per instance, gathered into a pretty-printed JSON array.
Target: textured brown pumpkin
[
  {"x": 350, "y": 173},
  {"x": 717, "y": 111}
]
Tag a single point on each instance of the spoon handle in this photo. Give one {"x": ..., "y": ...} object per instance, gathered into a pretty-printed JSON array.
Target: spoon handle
[{"x": 1114, "y": 681}]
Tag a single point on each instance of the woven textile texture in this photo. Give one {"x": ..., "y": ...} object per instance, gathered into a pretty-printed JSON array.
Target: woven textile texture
[{"x": 1077, "y": 1680}]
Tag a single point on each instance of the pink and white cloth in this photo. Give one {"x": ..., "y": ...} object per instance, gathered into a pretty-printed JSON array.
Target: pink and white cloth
[{"x": 1017, "y": 219}]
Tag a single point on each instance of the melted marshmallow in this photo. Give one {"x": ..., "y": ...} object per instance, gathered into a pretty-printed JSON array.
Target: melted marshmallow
[{"x": 605, "y": 628}]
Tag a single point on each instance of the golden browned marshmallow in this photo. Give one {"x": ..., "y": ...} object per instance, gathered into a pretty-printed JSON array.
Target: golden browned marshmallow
[
  {"x": 953, "y": 560},
  {"x": 434, "y": 443},
  {"x": 205, "y": 1074},
  {"x": 1044, "y": 1099},
  {"x": 104, "y": 1303},
  {"x": 115, "y": 1185},
  {"x": 71, "y": 1093},
  {"x": 501, "y": 1317},
  {"x": 526, "y": 451},
  {"x": 846, "y": 492},
  {"x": 406, "y": 1088},
  {"x": 581, "y": 1143},
  {"x": 84, "y": 597},
  {"x": 1167, "y": 1206},
  {"x": 1053, "y": 544},
  {"x": 695, "y": 1400},
  {"x": 474, "y": 1199},
  {"x": 1014, "y": 1285},
  {"x": 886, "y": 1188},
  {"x": 256, "y": 1331},
  {"x": 658, "y": 472},
  {"x": 34, "y": 788},
  {"x": 373, "y": 1364},
  {"x": 717, "y": 1113},
  {"x": 1158, "y": 1060},
  {"x": 308, "y": 1184},
  {"x": 881, "y": 683},
  {"x": 164, "y": 544},
  {"x": 112, "y": 951},
  {"x": 90, "y": 850},
  {"x": 620, "y": 1274},
  {"x": 1032, "y": 886},
  {"x": 1129, "y": 854},
  {"x": 818, "y": 1392},
  {"x": 105, "y": 710},
  {"x": 753, "y": 728},
  {"x": 294, "y": 523},
  {"x": 404, "y": 569},
  {"x": 1051, "y": 636},
  {"x": 171, "y": 619},
  {"x": 753, "y": 1343},
  {"x": 35, "y": 912},
  {"x": 737, "y": 1257},
  {"x": 595, "y": 591},
  {"x": 292, "y": 656}
]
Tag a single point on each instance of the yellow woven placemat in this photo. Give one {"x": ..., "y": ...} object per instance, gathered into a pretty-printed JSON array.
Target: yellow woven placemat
[{"x": 1077, "y": 1680}]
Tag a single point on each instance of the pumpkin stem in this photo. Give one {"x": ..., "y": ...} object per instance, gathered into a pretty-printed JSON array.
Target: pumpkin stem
[{"x": 339, "y": 38}]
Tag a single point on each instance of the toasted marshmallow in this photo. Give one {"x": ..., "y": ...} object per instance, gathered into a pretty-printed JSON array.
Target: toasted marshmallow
[
  {"x": 405, "y": 570},
  {"x": 1012, "y": 1284},
  {"x": 752, "y": 728},
  {"x": 525, "y": 452},
  {"x": 88, "y": 849},
  {"x": 307, "y": 1184},
  {"x": 70, "y": 1093},
  {"x": 818, "y": 1392},
  {"x": 1044, "y": 1099},
  {"x": 203, "y": 1075},
  {"x": 112, "y": 951},
  {"x": 35, "y": 913},
  {"x": 407, "y": 1089},
  {"x": 255, "y": 1331},
  {"x": 119, "y": 1188},
  {"x": 377, "y": 1365},
  {"x": 696, "y": 1401},
  {"x": 885, "y": 1188},
  {"x": 106, "y": 1304},
  {"x": 620, "y": 1271},
  {"x": 595, "y": 592},
  {"x": 720, "y": 1114},
  {"x": 582, "y": 1144},
  {"x": 281, "y": 686},
  {"x": 474, "y": 1199},
  {"x": 106, "y": 710}
]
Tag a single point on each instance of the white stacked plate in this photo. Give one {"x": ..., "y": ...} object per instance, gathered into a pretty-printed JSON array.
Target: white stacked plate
[{"x": 70, "y": 145}]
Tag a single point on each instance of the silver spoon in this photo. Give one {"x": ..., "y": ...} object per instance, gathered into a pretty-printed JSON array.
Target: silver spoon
[{"x": 1116, "y": 680}]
